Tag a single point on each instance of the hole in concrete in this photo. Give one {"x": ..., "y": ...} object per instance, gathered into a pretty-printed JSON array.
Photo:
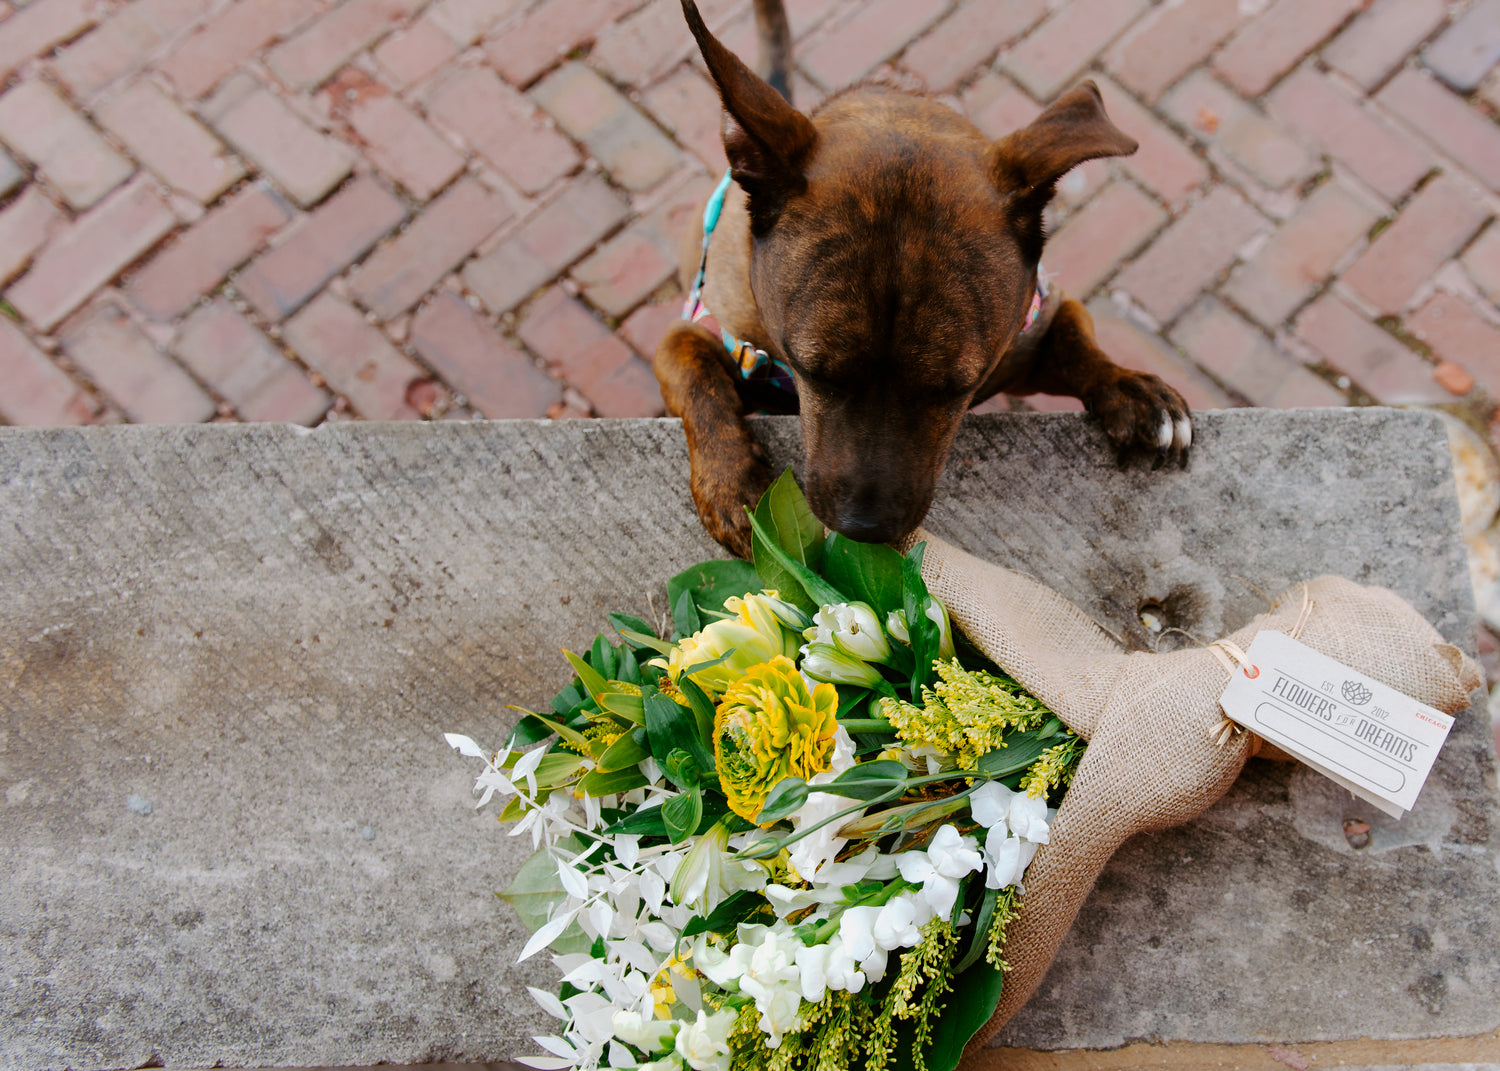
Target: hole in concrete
[{"x": 1169, "y": 622}]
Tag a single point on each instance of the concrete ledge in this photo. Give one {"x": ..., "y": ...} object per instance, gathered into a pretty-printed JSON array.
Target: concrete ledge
[{"x": 233, "y": 834}]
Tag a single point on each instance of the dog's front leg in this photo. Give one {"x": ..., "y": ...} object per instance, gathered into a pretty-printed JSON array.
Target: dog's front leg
[
  {"x": 729, "y": 469},
  {"x": 1138, "y": 411}
]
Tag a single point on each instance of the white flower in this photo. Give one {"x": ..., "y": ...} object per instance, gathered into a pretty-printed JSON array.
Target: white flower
[
  {"x": 899, "y": 924},
  {"x": 648, "y": 1035},
  {"x": 672, "y": 1062},
  {"x": 897, "y": 625},
  {"x": 1028, "y": 818},
  {"x": 825, "y": 662},
  {"x": 853, "y": 628},
  {"x": 990, "y": 803},
  {"x": 827, "y": 966},
  {"x": 714, "y": 963},
  {"x": 949, "y": 857},
  {"x": 779, "y": 1014},
  {"x": 1006, "y": 857},
  {"x": 704, "y": 1044},
  {"x": 766, "y": 964}
]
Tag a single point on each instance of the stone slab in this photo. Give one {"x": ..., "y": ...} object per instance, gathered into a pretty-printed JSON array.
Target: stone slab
[{"x": 233, "y": 834}]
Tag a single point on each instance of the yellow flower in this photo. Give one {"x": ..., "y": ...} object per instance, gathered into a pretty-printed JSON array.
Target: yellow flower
[
  {"x": 769, "y": 726},
  {"x": 755, "y": 634}
]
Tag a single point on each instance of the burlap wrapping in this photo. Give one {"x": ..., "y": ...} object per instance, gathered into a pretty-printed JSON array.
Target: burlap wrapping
[{"x": 1150, "y": 719}]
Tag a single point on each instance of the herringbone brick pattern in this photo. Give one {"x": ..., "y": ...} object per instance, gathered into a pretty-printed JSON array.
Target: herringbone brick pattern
[{"x": 413, "y": 209}]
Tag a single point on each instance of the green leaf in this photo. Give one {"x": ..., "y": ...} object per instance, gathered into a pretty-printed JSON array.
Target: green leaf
[
  {"x": 599, "y": 783},
  {"x": 628, "y": 752},
  {"x": 604, "y": 658},
  {"x": 786, "y": 798},
  {"x": 685, "y": 614},
  {"x": 868, "y": 780},
  {"x": 572, "y": 736},
  {"x": 871, "y": 572},
  {"x": 627, "y": 623},
  {"x": 926, "y": 637},
  {"x": 976, "y": 993},
  {"x": 795, "y": 527},
  {"x": 681, "y": 815},
  {"x": 670, "y": 726},
  {"x": 529, "y": 730},
  {"x": 625, "y": 705},
  {"x": 979, "y": 932},
  {"x": 815, "y": 592},
  {"x": 536, "y": 891},
  {"x": 647, "y": 641},
  {"x": 850, "y": 698},
  {"x": 711, "y": 583},
  {"x": 703, "y": 719},
  {"x": 588, "y": 676},
  {"x": 741, "y": 907},
  {"x": 558, "y": 768},
  {"x": 650, "y": 823}
]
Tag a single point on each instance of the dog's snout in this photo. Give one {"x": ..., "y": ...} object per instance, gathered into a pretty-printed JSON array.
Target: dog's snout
[{"x": 866, "y": 529}]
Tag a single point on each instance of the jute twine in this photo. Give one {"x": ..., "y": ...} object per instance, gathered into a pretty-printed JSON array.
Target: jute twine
[{"x": 1158, "y": 754}]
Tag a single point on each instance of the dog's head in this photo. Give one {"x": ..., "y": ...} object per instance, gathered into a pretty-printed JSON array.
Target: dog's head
[{"x": 894, "y": 258}]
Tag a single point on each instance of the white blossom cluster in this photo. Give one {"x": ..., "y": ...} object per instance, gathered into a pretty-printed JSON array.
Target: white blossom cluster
[{"x": 638, "y": 901}]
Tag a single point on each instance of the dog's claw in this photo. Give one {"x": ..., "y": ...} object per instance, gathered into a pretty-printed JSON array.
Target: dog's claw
[{"x": 1142, "y": 415}]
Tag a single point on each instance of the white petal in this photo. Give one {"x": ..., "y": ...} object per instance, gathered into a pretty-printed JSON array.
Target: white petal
[
  {"x": 573, "y": 883},
  {"x": 556, "y": 1046},
  {"x": 549, "y": 1002},
  {"x": 544, "y": 936},
  {"x": 545, "y": 1063},
  {"x": 464, "y": 746}
]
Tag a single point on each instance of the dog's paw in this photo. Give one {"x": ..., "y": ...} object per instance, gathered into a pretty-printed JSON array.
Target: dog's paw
[
  {"x": 1142, "y": 415},
  {"x": 724, "y": 482}
]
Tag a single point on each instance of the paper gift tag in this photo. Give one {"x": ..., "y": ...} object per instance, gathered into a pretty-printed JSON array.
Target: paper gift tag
[{"x": 1376, "y": 742}]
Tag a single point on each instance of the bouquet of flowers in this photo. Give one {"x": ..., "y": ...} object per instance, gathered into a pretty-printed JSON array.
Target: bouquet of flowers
[{"x": 792, "y": 834}]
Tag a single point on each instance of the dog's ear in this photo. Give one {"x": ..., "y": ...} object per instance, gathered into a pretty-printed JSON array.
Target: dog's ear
[
  {"x": 766, "y": 140},
  {"x": 1027, "y": 163}
]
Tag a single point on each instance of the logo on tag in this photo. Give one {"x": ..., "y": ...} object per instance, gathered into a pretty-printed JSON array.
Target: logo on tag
[{"x": 1376, "y": 742}]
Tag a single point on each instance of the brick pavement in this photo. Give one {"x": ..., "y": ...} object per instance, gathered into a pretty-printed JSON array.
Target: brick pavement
[{"x": 312, "y": 210}]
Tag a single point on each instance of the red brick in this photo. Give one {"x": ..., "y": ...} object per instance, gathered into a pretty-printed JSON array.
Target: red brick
[
  {"x": 326, "y": 243},
  {"x": 503, "y": 127},
  {"x": 410, "y": 55},
  {"x": 1453, "y": 378},
  {"x": 466, "y": 21},
  {"x": 25, "y": 225},
  {"x": 644, "y": 44},
  {"x": 1055, "y": 54},
  {"x": 149, "y": 386},
  {"x": 1457, "y": 333},
  {"x": 1482, "y": 259},
  {"x": 170, "y": 142},
  {"x": 546, "y": 244},
  {"x": 997, "y": 105},
  {"x": 71, "y": 155},
  {"x": 1434, "y": 225},
  {"x": 1372, "y": 358},
  {"x": 1377, "y": 42},
  {"x": 1131, "y": 347},
  {"x": 636, "y": 154},
  {"x": 1162, "y": 163},
  {"x": 404, "y": 147},
  {"x": 1238, "y": 135},
  {"x": 1446, "y": 121},
  {"x": 327, "y": 44},
  {"x": 355, "y": 358},
  {"x": 1271, "y": 45},
  {"x": 687, "y": 104},
  {"x": 494, "y": 376},
  {"x": 37, "y": 393},
  {"x": 1169, "y": 42},
  {"x": 1389, "y": 160},
  {"x": 1301, "y": 254},
  {"x": 231, "y": 356},
  {"x": 205, "y": 254},
  {"x": 592, "y": 359},
  {"x": 122, "y": 43},
  {"x": 219, "y": 46},
  {"x": 40, "y": 26},
  {"x": 547, "y": 33},
  {"x": 1240, "y": 356},
  {"x": 91, "y": 252},
  {"x": 968, "y": 37},
  {"x": 1190, "y": 253},
  {"x": 1088, "y": 248},
  {"x": 397, "y": 275},
  {"x": 1467, "y": 50},
  {"x": 644, "y": 328},
  {"x": 303, "y": 162},
  {"x": 624, "y": 270}
]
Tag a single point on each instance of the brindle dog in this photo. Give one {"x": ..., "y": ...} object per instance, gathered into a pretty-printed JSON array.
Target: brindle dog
[{"x": 886, "y": 253}]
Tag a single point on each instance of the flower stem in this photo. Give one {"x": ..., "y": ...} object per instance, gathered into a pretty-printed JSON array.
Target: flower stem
[{"x": 868, "y": 725}]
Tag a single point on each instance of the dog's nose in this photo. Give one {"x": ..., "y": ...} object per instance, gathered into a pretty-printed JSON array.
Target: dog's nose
[{"x": 868, "y": 526}]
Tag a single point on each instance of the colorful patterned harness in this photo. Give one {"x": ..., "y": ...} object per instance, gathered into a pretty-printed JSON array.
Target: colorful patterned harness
[{"x": 755, "y": 364}]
